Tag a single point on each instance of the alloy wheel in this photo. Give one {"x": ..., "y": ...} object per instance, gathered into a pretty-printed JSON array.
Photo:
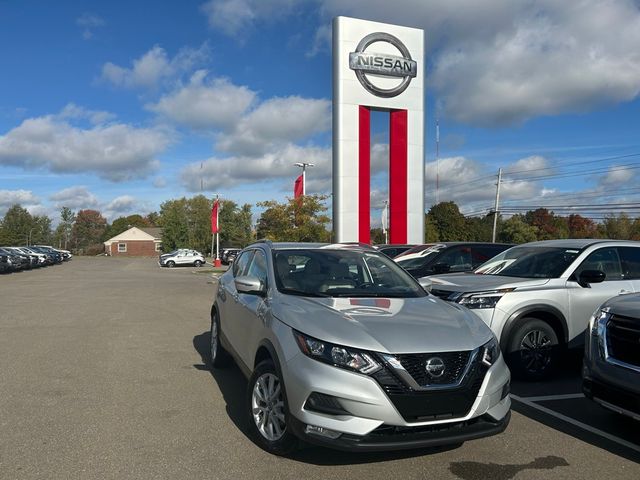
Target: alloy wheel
[
  {"x": 267, "y": 407},
  {"x": 536, "y": 351}
]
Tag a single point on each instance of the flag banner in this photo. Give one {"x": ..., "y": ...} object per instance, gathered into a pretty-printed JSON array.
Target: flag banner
[
  {"x": 297, "y": 187},
  {"x": 214, "y": 217}
]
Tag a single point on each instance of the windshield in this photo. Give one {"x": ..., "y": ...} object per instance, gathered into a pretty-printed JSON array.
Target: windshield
[
  {"x": 341, "y": 273},
  {"x": 417, "y": 260},
  {"x": 530, "y": 262}
]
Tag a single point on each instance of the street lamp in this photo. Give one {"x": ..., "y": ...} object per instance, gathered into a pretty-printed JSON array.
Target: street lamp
[{"x": 304, "y": 166}]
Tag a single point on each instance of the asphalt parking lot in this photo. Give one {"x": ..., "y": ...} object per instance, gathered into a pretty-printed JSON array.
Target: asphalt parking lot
[{"x": 103, "y": 374}]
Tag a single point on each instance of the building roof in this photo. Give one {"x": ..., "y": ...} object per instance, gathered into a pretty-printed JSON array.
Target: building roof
[
  {"x": 155, "y": 232},
  {"x": 135, "y": 233}
]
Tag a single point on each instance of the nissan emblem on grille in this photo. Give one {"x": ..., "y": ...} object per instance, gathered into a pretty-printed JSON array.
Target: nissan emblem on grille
[{"x": 435, "y": 367}]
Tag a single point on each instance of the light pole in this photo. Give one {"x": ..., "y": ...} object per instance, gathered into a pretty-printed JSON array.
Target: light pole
[{"x": 304, "y": 166}]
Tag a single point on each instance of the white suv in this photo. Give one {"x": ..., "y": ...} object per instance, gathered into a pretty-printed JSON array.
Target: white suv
[
  {"x": 181, "y": 257},
  {"x": 538, "y": 297}
]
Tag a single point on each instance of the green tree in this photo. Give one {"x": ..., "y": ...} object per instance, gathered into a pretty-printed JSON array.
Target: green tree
[
  {"x": 481, "y": 228},
  {"x": 516, "y": 230},
  {"x": 377, "y": 236},
  {"x": 430, "y": 230},
  {"x": 618, "y": 227},
  {"x": 16, "y": 226},
  {"x": 298, "y": 220},
  {"x": 199, "y": 223},
  {"x": 175, "y": 230},
  {"x": 67, "y": 218},
  {"x": 235, "y": 224},
  {"x": 122, "y": 224},
  {"x": 449, "y": 222},
  {"x": 549, "y": 225},
  {"x": 88, "y": 231}
]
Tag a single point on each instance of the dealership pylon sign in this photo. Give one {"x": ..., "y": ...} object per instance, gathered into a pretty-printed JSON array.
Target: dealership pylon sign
[{"x": 377, "y": 66}]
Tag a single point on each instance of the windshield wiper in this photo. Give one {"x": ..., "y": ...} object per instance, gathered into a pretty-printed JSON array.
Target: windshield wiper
[{"x": 302, "y": 293}]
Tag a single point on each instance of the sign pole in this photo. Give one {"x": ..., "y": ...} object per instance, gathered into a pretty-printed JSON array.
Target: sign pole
[{"x": 217, "y": 262}]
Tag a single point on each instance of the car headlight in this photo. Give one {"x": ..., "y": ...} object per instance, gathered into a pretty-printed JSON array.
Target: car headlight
[
  {"x": 598, "y": 321},
  {"x": 490, "y": 352},
  {"x": 336, "y": 355},
  {"x": 482, "y": 299}
]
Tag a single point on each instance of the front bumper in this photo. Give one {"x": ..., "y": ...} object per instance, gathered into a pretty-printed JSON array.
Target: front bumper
[{"x": 371, "y": 421}]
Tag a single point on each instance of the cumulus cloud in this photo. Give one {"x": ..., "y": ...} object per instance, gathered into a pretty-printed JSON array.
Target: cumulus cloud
[
  {"x": 235, "y": 16},
  {"x": 25, "y": 198},
  {"x": 89, "y": 22},
  {"x": 114, "y": 151},
  {"x": 155, "y": 66},
  {"x": 275, "y": 122},
  {"x": 216, "y": 173},
  {"x": 617, "y": 176},
  {"x": 502, "y": 62},
  {"x": 75, "y": 198},
  {"x": 205, "y": 103}
]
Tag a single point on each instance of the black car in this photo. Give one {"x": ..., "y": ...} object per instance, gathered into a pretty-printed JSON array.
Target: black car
[
  {"x": 445, "y": 257},
  {"x": 228, "y": 255},
  {"x": 5, "y": 265},
  {"x": 393, "y": 250},
  {"x": 18, "y": 262}
]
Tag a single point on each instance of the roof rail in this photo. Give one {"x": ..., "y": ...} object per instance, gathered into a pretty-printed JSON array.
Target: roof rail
[{"x": 264, "y": 240}]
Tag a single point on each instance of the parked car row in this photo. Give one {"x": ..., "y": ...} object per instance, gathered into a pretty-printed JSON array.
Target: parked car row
[{"x": 14, "y": 259}]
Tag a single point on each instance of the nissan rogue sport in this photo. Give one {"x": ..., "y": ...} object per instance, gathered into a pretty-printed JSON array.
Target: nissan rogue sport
[{"x": 345, "y": 349}]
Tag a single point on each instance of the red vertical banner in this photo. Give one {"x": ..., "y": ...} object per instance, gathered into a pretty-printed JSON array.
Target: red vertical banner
[
  {"x": 214, "y": 217},
  {"x": 297, "y": 187},
  {"x": 398, "y": 176},
  {"x": 364, "y": 175}
]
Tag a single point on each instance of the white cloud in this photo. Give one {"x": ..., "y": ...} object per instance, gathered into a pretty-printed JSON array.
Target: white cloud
[
  {"x": 228, "y": 172},
  {"x": 502, "y": 62},
  {"x": 75, "y": 198},
  {"x": 115, "y": 151},
  {"x": 24, "y": 198},
  {"x": 617, "y": 176},
  {"x": 89, "y": 22},
  {"x": 276, "y": 122},
  {"x": 155, "y": 66},
  {"x": 237, "y": 16},
  {"x": 204, "y": 103}
]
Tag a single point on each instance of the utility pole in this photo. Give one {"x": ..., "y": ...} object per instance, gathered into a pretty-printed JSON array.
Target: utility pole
[
  {"x": 304, "y": 166},
  {"x": 495, "y": 210}
]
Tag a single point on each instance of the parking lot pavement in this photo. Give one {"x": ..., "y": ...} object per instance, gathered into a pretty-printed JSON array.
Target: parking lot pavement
[
  {"x": 104, "y": 375},
  {"x": 560, "y": 404}
]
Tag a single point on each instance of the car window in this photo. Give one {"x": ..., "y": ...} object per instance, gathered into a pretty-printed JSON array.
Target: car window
[
  {"x": 530, "y": 262},
  {"x": 605, "y": 260},
  {"x": 457, "y": 258},
  {"x": 240, "y": 265},
  {"x": 258, "y": 267},
  {"x": 482, "y": 253},
  {"x": 630, "y": 259}
]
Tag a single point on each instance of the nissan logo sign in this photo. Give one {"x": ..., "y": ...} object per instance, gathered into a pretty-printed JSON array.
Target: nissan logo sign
[
  {"x": 435, "y": 367},
  {"x": 364, "y": 62}
]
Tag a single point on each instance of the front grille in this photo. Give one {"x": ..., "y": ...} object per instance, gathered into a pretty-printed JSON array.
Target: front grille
[
  {"x": 437, "y": 404},
  {"x": 443, "y": 294},
  {"x": 623, "y": 339},
  {"x": 416, "y": 366}
]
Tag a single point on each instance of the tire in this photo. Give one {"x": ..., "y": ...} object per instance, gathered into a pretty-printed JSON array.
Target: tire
[
  {"x": 197, "y": 263},
  {"x": 171, "y": 264},
  {"x": 532, "y": 350},
  {"x": 217, "y": 354},
  {"x": 267, "y": 411}
]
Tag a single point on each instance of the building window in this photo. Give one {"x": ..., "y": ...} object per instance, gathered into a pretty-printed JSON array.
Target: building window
[
  {"x": 158, "y": 247},
  {"x": 122, "y": 248}
]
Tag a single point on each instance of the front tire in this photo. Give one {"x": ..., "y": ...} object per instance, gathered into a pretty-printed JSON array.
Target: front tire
[
  {"x": 217, "y": 354},
  {"x": 171, "y": 264},
  {"x": 533, "y": 349},
  {"x": 197, "y": 263},
  {"x": 268, "y": 411}
]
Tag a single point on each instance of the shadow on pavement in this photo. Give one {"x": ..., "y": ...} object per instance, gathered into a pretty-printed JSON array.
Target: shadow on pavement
[
  {"x": 233, "y": 385},
  {"x": 494, "y": 471}
]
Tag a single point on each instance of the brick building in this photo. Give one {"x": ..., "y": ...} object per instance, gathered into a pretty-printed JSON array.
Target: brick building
[{"x": 135, "y": 242}]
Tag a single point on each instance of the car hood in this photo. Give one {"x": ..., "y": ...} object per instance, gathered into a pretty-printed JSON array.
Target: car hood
[
  {"x": 391, "y": 325},
  {"x": 470, "y": 282},
  {"x": 625, "y": 305}
]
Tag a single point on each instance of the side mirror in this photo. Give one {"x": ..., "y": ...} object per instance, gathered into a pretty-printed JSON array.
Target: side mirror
[
  {"x": 588, "y": 277},
  {"x": 439, "y": 268},
  {"x": 425, "y": 283},
  {"x": 250, "y": 285}
]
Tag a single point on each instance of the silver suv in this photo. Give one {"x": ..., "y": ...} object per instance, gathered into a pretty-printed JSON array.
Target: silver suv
[
  {"x": 538, "y": 297},
  {"x": 611, "y": 369},
  {"x": 343, "y": 348}
]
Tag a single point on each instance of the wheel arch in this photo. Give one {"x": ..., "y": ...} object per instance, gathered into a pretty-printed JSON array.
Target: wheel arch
[{"x": 554, "y": 317}]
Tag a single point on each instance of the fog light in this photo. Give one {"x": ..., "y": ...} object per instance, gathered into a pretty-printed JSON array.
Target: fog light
[
  {"x": 505, "y": 391},
  {"x": 322, "y": 432}
]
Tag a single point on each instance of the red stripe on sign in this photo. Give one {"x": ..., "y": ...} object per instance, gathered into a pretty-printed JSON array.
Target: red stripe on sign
[
  {"x": 364, "y": 175},
  {"x": 398, "y": 176}
]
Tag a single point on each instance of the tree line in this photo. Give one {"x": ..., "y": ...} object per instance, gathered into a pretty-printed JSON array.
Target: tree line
[{"x": 186, "y": 223}]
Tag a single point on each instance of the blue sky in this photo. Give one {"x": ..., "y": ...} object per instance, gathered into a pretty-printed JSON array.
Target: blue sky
[{"x": 119, "y": 106}]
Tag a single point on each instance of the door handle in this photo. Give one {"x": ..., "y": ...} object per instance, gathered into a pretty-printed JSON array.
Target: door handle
[{"x": 624, "y": 292}]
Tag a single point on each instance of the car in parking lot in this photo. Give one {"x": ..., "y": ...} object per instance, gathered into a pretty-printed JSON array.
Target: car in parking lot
[
  {"x": 181, "y": 256},
  {"x": 538, "y": 297},
  {"x": 392, "y": 250},
  {"x": 445, "y": 257},
  {"x": 228, "y": 255},
  {"x": 611, "y": 367},
  {"x": 344, "y": 349}
]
